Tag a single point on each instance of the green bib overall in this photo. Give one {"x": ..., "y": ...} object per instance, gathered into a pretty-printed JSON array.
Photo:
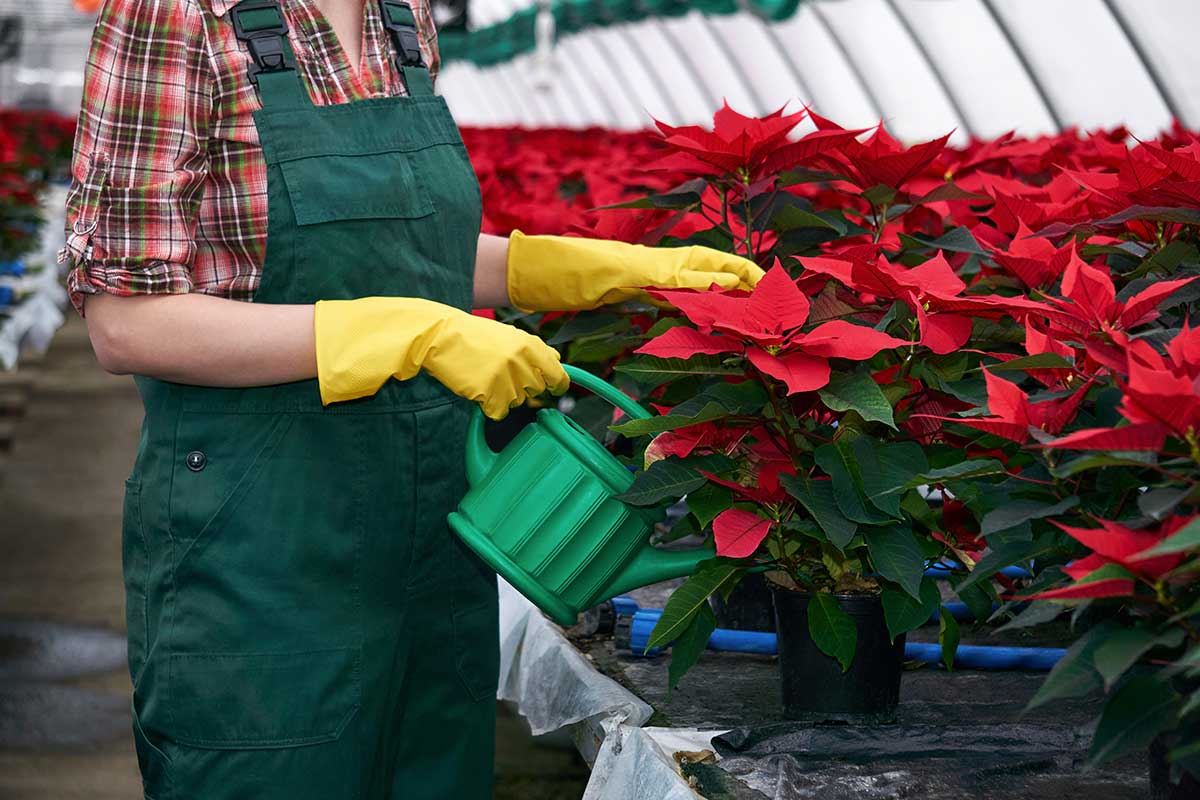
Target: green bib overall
[{"x": 302, "y": 623}]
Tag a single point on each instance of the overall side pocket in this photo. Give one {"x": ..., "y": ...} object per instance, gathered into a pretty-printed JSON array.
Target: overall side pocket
[{"x": 135, "y": 569}]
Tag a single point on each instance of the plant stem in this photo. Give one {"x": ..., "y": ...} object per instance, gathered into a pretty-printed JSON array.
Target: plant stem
[
  {"x": 793, "y": 447},
  {"x": 878, "y": 219},
  {"x": 749, "y": 217}
]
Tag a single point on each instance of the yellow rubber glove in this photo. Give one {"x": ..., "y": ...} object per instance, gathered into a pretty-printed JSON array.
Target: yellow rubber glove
[
  {"x": 361, "y": 343},
  {"x": 564, "y": 273}
]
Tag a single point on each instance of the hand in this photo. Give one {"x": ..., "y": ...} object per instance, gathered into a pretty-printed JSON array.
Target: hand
[
  {"x": 498, "y": 366},
  {"x": 361, "y": 343},
  {"x": 548, "y": 273}
]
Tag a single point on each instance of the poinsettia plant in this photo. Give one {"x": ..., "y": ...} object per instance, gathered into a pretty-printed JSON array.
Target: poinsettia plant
[
  {"x": 797, "y": 417},
  {"x": 974, "y": 358}
]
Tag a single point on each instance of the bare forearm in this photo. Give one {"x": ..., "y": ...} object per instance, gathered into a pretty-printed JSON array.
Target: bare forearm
[
  {"x": 209, "y": 341},
  {"x": 203, "y": 340},
  {"x": 491, "y": 271}
]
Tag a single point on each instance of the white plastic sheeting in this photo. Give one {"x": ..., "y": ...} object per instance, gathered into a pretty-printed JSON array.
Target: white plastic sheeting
[
  {"x": 551, "y": 682},
  {"x": 925, "y": 67},
  {"x": 638, "y": 763},
  {"x": 554, "y": 686}
]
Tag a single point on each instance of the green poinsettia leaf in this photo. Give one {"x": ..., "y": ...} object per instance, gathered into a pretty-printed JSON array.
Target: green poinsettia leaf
[
  {"x": 904, "y": 613},
  {"x": 1137, "y": 712},
  {"x": 1014, "y": 513},
  {"x": 708, "y": 501},
  {"x": 897, "y": 556},
  {"x": 690, "y": 644},
  {"x": 1122, "y": 649},
  {"x": 651, "y": 370},
  {"x": 1036, "y": 361},
  {"x": 948, "y": 636},
  {"x": 671, "y": 478},
  {"x": 832, "y": 629},
  {"x": 1186, "y": 538},
  {"x": 838, "y": 461},
  {"x": 1075, "y": 674},
  {"x": 685, "y": 602},
  {"x": 817, "y": 498},
  {"x": 886, "y": 467},
  {"x": 858, "y": 391}
]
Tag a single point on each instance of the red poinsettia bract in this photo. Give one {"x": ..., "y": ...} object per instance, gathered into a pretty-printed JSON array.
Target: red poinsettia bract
[
  {"x": 1160, "y": 398},
  {"x": 766, "y": 327},
  {"x": 1120, "y": 557},
  {"x": 757, "y": 147},
  {"x": 1013, "y": 415},
  {"x": 931, "y": 290}
]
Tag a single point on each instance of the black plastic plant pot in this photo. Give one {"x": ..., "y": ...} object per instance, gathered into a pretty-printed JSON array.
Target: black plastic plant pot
[
  {"x": 750, "y": 606},
  {"x": 815, "y": 689}
]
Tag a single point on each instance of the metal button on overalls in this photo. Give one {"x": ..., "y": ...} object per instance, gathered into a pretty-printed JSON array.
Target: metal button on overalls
[{"x": 302, "y": 622}]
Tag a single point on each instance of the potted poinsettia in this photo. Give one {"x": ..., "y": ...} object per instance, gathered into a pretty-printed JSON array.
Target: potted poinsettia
[{"x": 796, "y": 417}]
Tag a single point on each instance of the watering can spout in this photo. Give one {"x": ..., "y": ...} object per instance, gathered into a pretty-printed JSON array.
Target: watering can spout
[
  {"x": 480, "y": 457},
  {"x": 653, "y": 564}
]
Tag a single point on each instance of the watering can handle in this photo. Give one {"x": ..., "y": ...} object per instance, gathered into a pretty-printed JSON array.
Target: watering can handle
[
  {"x": 480, "y": 456},
  {"x": 606, "y": 390}
]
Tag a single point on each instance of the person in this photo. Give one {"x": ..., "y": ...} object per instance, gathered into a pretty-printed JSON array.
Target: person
[{"x": 275, "y": 227}]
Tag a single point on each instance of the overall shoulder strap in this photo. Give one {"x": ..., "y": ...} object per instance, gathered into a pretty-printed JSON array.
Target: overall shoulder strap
[
  {"x": 402, "y": 25},
  {"x": 260, "y": 24}
]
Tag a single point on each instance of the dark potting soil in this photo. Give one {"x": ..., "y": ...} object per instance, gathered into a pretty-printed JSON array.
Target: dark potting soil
[{"x": 959, "y": 734}]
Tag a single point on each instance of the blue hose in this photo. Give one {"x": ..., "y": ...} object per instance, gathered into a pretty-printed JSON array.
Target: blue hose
[{"x": 968, "y": 656}]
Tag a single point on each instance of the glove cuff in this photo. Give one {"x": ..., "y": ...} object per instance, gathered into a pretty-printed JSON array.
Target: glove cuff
[{"x": 564, "y": 273}]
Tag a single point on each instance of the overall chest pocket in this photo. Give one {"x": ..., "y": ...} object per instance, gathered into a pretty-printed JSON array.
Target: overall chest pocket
[{"x": 330, "y": 188}]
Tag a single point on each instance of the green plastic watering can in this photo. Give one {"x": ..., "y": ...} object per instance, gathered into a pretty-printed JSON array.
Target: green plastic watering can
[{"x": 544, "y": 513}]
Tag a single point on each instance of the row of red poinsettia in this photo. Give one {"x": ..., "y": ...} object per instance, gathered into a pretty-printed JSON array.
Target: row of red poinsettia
[
  {"x": 35, "y": 146},
  {"x": 1010, "y": 323}
]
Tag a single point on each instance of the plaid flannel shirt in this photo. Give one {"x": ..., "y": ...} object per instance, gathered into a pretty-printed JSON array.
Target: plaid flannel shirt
[{"x": 169, "y": 188}]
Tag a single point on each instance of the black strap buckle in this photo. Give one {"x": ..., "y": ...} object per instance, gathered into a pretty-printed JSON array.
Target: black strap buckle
[
  {"x": 265, "y": 42},
  {"x": 399, "y": 20}
]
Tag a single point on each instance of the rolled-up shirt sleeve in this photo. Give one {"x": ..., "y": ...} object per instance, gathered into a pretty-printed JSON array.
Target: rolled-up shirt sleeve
[{"x": 140, "y": 157}]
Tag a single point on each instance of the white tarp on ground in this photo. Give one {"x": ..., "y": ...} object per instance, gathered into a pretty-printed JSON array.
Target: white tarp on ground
[{"x": 554, "y": 686}]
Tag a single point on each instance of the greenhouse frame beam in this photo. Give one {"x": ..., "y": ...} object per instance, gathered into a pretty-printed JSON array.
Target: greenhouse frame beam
[
  {"x": 510, "y": 76},
  {"x": 960, "y": 110},
  {"x": 577, "y": 75},
  {"x": 622, "y": 31},
  {"x": 1156, "y": 77},
  {"x": 615, "y": 77},
  {"x": 567, "y": 81},
  {"x": 480, "y": 100},
  {"x": 777, "y": 43},
  {"x": 1038, "y": 86},
  {"x": 736, "y": 67},
  {"x": 851, "y": 64},
  {"x": 686, "y": 60}
]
